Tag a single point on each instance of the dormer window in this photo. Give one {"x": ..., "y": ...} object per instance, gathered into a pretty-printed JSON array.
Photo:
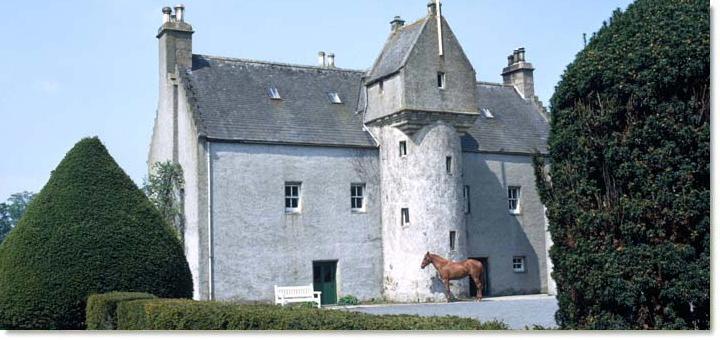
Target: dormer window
[
  {"x": 441, "y": 80},
  {"x": 273, "y": 93},
  {"x": 488, "y": 114},
  {"x": 334, "y": 98}
]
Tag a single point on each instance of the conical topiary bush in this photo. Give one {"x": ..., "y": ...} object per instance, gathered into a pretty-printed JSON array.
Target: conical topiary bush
[{"x": 90, "y": 230}]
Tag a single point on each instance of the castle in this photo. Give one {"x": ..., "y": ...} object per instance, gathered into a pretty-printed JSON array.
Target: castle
[{"x": 345, "y": 178}]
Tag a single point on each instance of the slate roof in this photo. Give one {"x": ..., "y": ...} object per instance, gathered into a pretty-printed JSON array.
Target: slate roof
[
  {"x": 230, "y": 101},
  {"x": 518, "y": 126},
  {"x": 396, "y": 50}
]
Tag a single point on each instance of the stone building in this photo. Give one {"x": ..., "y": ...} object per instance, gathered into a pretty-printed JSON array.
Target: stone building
[{"x": 345, "y": 178}]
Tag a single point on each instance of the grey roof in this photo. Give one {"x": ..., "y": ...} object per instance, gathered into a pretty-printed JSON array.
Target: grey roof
[
  {"x": 396, "y": 50},
  {"x": 518, "y": 126},
  {"x": 231, "y": 102}
]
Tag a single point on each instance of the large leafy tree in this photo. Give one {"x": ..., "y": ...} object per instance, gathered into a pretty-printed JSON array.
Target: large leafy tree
[
  {"x": 628, "y": 190},
  {"x": 12, "y": 210},
  {"x": 89, "y": 230}
]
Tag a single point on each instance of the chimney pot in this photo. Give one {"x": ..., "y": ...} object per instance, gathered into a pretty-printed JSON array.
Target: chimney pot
[
  {"x": 511, "y": 60},
  {"x": 521, "y": 53},
  {"x": 166, "y": 14},
  {"x": 331, "y": 60},
  {"x": 179, "y": 9},
  {"x": 397, "y": 23},
  {"x": 321, "y": 58}
]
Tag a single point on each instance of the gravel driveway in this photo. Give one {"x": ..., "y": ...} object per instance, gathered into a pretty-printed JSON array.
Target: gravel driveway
[{"x": 516, "y": 311}]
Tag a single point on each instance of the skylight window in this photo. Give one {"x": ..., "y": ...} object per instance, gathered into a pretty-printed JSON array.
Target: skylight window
[
  {"x": 334, "y": 98},
  {"x": 488, "y": 114},
  {"x": 273, "y": 93}
]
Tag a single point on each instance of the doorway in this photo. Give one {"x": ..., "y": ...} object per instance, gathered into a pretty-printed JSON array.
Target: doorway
[
  {"x": 486, "y": 278},
  {"x": 324, "y": 281}
]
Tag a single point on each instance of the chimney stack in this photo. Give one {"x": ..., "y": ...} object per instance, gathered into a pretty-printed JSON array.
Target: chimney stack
[
  {"x": 330, "y": 60},
  {"x": 519, "y": 74},
  {"x": 175, "y": 38},
  {"x": 396, "y": 23},
  {"x": 321, "y": 58}
]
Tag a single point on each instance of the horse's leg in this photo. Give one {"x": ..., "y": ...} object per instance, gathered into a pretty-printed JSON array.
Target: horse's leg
[
  {"x": 446, "y": 281},
  {"x": 479, "y": 285}
]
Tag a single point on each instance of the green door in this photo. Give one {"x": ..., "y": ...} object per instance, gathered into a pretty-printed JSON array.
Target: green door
[{"x": 324, "y": 281}]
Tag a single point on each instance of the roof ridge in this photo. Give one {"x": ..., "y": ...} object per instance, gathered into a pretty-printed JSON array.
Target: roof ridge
[
  {"x": 480, "y": 82},
  {"x": 273, "y": 63}
]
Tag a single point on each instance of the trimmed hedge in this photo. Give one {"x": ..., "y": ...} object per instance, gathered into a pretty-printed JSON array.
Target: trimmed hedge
[
  {"x": 176, "y": 314},
  {"x": 629, "y": 198},
  {"x": 90, "y": 230},
  {"x": 101, "y": 312}
]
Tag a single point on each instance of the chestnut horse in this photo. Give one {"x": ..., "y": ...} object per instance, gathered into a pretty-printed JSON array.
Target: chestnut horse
[{"x": 451, "y": 270}]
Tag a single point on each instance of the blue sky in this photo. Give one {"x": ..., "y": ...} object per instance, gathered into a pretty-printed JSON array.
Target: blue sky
[{"x": 73, "y": 69}]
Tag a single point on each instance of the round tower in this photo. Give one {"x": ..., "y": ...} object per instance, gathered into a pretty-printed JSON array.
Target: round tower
[{"x": 423, "y": 209}]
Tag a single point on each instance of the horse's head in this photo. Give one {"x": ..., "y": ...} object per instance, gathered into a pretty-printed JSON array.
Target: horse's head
[{"x": 426, "y": 260}]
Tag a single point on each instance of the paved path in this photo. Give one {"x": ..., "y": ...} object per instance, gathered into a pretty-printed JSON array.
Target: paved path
[{"x": 516, "y": 311}]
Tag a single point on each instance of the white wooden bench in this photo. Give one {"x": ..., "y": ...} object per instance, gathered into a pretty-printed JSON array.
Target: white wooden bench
[{"x": 284, "y": 295}]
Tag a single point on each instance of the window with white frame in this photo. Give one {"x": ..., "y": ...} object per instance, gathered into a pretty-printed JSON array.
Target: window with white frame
[
  {"x": 273, "y": 93},
  {"x": 404, "y": 216},
  {"x": 441, "y": 80},
  {"x": 453, "y": 239},
  {"x": 403, "y": 148},
  {"x": 292, "y": 197},
  {"x": 466, "y": 198},
  {"x": 514, "y": 199},
  {"x": 518, "y": 264},
  {"x": 357, "y": 197}
]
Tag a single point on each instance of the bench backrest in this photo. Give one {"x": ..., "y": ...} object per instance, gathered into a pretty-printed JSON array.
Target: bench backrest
[{"x": 294, "y": 291}]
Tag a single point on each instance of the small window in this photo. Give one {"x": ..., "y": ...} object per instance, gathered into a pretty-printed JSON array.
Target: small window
[
  {"x": 334, "y": 98},
  {"x": 357, "y": 197},
  {"x": 441, "y": 80},
  {"x": 453, "y": 239},
  {"x": 403, "y": 148},
  {"x": 273, "y": 93},
  {"x": 448, "y": 164},
  {"x": 518, "y": 264},
  {"x": 514, "y": 200},
  {"x": 488, "y": 114},
  {"x": 466, "y": 198},
  {"x": 404, "y": 216},
  {"x": 292, "y": 197},
  {"x": 381, "y": 86}
]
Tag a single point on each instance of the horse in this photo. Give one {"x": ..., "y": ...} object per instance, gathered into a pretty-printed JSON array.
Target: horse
[{"x": 451, "y": 270}]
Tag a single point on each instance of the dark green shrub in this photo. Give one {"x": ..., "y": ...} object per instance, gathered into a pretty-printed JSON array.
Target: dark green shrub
[
  {"x": 629, "y": 148},
  {"x": 348, "y": 300},
  {"x": 168, "y": 314},
  {"x": 90, "y": 230},
  {"x": 101, "y": 311}
]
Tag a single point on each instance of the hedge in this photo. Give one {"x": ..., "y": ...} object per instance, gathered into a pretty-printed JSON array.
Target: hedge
[
  {"x": 178, "y": 314},
  {"x": 101, "y": 312},
  {"x": 89, "y": 230},
  {"x": 628, "y": 198}
]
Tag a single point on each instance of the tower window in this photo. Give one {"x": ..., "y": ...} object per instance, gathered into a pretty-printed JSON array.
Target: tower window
[
  {"x": 441, "y": 80},
  {"x": 466, "y": 198},
  {"x": 514, "y": 200},
  {"x": 334, "y": 98},
  {"x": 403, "y": 148},
  {"x": 273, "y": 93},
  {"x": 453, "y": 239},
  {"x": 292, "y": 197},
  {"x": 381, "y": 86},
  {"x": 448, "y": 164},
  {"x": 404, "y": 216},
  {"x": 518, "y": 264},
  {"x": 357, "y": 197}
]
